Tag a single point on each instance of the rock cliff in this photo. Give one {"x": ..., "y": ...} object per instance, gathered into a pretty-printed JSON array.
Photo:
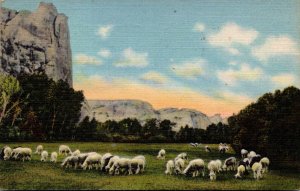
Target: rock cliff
[
  {"x": 35, "y": 42},
  {"x": 104, "y": 110}
]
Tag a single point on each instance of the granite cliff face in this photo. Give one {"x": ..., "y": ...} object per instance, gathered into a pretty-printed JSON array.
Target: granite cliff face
[
  {"x": 35, "y": 43},
  {"x": 104, "y": 110}
]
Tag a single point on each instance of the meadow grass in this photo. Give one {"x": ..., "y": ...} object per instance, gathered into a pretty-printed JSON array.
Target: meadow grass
[{"x": 45, "y": 175}]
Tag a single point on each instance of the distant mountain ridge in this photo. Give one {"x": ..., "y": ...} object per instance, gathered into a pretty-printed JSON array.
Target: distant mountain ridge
[{"x": 117, "y": 110}]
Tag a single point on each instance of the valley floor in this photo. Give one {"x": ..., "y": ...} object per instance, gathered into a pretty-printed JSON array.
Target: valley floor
[{"x": 45, "y": 175}]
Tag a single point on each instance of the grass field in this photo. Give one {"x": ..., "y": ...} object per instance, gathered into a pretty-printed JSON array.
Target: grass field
[{"x": 45, "y": 175}]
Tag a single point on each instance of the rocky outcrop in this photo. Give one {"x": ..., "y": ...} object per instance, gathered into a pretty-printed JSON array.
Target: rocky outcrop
[
  {"x": 183, "y": 117},
  {"x": 35, "y": 42},
  {"x": 104, "y": 110}
]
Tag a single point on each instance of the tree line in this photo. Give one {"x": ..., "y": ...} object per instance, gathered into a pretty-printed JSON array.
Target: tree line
[{"x": 153, "y": 130}]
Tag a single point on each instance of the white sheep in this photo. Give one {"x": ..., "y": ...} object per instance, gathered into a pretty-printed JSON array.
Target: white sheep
[
  {"x": 92, "y": 160},
  {"x": 161, "y": 154},
  {"x": 219, "y": 164},
  {"x": 137, "y": 164},
  {"x": 170, "y": 166},
  {"x": 251, "y": 154},
  {"x": 181, "y": 156},
  {"x": 207, "y": 149},
  {"x": 143, "y": 158},
  {"x": 240, "y": 171},
  {"x": 7, "y": 153},
  {"x": 179, "y": 165},
  {"x": 244, "y": 153},
  {"x": 53, "y": 157},
  {"x": 111, "y": 162},
  {"x": 70, "y": 161},
  {"x": 257, "y": 168},
  {"x": 82, "y": 157},
  {"x": 213, "y": 167},
  {"x": 44, "y": 156},
  {"x": 75, "y": 153},
  {"x": 105, "y": 160},
  {"x": 230, "y": 164},
  {"x": 22, "y": 153},
  {"x": 265, "y": 162},
  {"x": 64, "y": 149},
  {"x": 122, "y": 163},
  {"x": 194, "y": 167},
  {"x": 39, "y": 149}
]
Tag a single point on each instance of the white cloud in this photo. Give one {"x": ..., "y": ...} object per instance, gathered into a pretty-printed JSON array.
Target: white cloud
[
  {"x": 244, "y": 73},
  {"x": 284, "y": 80},
  {"x": 155, "y": 77},
  {"x": 233, "y": 51},
  {"x": 130, "y": 58},
  {"x": 189, "y": 69},
  {"x": 85, "y": 59},
  {"x": 105, "y": 31},
  {"x": 233, "y": 63},
  {"x": 275, "y": 46},
  {"x": 232, "y": 34},
  {"x": 105, "y": 53},
  {"x": 199, "y": 27}
]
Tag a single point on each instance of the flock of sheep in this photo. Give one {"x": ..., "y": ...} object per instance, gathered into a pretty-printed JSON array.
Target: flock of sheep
[
  {"x": 250, "y": 161},
  {"x": 114, "y": 165}
]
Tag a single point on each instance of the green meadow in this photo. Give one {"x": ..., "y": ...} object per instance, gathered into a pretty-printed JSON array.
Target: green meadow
[{"x": 46, "y": 175}]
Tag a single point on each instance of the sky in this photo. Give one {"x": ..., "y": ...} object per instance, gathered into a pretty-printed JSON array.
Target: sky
[{"x": 212, "y": 56}]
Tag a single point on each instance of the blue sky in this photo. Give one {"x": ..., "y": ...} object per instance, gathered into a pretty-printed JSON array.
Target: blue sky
[{"x": 213, "y": 56}]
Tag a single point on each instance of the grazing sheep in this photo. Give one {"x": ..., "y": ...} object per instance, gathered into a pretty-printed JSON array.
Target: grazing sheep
[
  {"x": 140, "y": 157},
  {"x": 111, "y": 162},
  {"x": 92, "y": 160},
  {"x": 105, "y": 160},
  {"x": 64, "y": 149},
  {"x": 181, "y": 156},
  {"x": 70, "y": 161},
  {"x": 240, "y": 171},
  {"x": 53, "y": 157},
  {"x": 219, "y": 165},
  {"x": 265, "y": 162},
  {"x": 244, "y": 153},
  {"x": 193, "y": 144},
  {"x": 254, "y": 159},
  {"x": 143, "y": 158},
  {"x": 170, "y": 166},
  {"x": 21, "y": 153},
  {"x": 137, "y": 164},
  {"x": 257, "y": 168},
  {"x": 179, "y": 165},
  {"x": 122, "y": 163},
  {"x": 7, "y": 153},
  {"x": 76, "y": 153},
  {"x": 44, "y": 156},
  {"x": 39, "y": 149},
  {"x": 229, "y": 164},
  {"x": 161, "y": 154},
  {"x": 194, "y": 167},
  {"x": 82, "y": 157},
  {"x": 207, "y": 149},
  {"x": 251, "y": 154},
  {"x": 213, "y": 167}
]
